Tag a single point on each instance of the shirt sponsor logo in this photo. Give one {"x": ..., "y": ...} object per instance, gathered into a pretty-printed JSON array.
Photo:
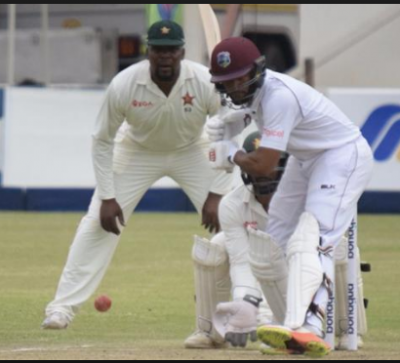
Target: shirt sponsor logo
[
  {"x": 140, "y": 104},
  {"x": 253, "y": 225},
  {"x": 212, "y": 155},
  {"x": 280, "y": 134}
]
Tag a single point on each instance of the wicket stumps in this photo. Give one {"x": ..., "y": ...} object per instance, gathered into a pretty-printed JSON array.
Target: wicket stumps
[{"x": 352, "y": 291}]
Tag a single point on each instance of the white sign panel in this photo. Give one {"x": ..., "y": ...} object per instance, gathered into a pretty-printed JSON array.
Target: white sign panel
[
  {"x": 47, "y": 135},
  {"x": 377, "y": 112},
  {"x": 48, "y": 138}
]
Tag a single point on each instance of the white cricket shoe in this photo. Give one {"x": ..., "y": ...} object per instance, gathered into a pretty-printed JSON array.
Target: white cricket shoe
[
  {"x": 201, "y": 340},
  {"x": 56, "y": 321},
  {"x": 343, "y": 342}
]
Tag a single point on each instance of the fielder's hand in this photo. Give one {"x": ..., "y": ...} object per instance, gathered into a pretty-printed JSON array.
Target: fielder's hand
[
  {"x": 210, "y": 219},
  {"x": 109, "y": 213},
  {"x": 241, "y": 320}
]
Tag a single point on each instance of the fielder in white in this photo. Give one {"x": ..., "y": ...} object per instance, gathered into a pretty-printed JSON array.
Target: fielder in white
[
  {"x": 329, "y": 169},
  {"x": 223, "y": 266},
  {"x": 150, "y": 126}
]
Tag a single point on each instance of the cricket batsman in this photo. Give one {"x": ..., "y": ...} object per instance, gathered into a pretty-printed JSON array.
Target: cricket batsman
[
  {"x": 228, "y": 265},
  {"x": 329, "y": 168}
]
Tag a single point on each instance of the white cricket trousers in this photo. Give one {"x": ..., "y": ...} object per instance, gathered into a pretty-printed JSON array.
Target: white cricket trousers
[
  {"x": 329, "y": 186},
  {"x": 135, "y": 170}
]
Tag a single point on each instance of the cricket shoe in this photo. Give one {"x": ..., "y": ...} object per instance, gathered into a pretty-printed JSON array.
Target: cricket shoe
[
  {"x": 202, "y": 340},
  {"x": 294, "y": 342},
  {"x": 273, "y": 352},
  {"x": 56, "y": 321}
]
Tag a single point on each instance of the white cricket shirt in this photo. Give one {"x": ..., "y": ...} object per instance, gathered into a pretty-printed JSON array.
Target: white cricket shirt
[
  {"x": 150, "y": 118},
  {"x": 296, "y": 118}
]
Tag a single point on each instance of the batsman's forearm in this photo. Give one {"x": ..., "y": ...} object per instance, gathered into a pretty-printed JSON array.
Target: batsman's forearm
[{"x": 102, "y": 156}]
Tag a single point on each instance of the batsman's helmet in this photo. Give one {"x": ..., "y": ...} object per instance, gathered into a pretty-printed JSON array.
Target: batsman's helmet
[
  {"x": 267, "y": 184},
  {"x": 233, "y": 58}
]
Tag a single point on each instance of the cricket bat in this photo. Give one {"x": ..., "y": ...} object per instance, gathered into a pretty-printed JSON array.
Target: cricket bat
[{"x": 211, "y": 27}]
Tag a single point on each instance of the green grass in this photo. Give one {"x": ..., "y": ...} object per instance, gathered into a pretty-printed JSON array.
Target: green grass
[{"x": 151, "y": 284}]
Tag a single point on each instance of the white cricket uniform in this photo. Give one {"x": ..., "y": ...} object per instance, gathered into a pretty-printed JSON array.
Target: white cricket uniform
[
  {"x": 238, "y": 210},
  {"x": 329, "y": 168},
  {"x": 141, "y": 135},
  {"x": 330, "y": 164}
]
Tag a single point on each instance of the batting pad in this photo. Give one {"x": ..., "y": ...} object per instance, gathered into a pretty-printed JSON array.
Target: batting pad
[
  {"x": 212, "y": 281},
  {"x": 270, "y": 268},
  {"x": 305, "y": 270}
]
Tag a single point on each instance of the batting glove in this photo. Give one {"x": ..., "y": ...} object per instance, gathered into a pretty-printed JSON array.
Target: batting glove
[
  {"x": 221, "y": 155},
  {"x": 227, "y": 127}
]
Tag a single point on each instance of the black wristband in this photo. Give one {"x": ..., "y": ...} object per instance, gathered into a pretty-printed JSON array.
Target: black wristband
[{"x": 253, "y": 300}]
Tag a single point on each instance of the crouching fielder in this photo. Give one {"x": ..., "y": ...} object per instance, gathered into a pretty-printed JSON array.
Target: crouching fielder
[
  {"x": 329, "y": 168},
  {"x": 222, "y": 267}
]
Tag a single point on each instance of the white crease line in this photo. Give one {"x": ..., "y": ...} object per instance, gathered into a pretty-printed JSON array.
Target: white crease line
[{"x": 24, "y": 350}]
